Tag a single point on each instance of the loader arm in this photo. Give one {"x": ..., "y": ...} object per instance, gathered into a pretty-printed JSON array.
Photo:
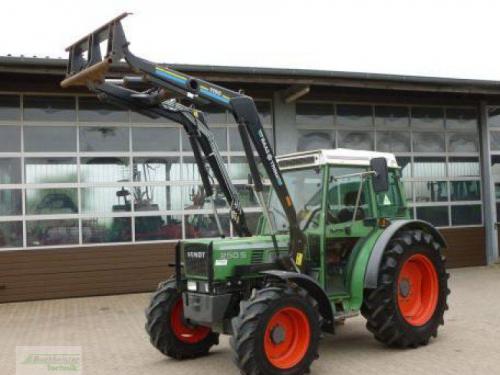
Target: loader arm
[{"x": 88, "y": 67}]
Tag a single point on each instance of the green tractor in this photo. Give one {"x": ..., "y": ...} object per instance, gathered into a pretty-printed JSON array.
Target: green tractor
[{"x": 335, "y": 238}]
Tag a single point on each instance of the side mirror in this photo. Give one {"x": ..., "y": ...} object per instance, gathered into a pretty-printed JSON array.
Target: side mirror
[{"x": 381, "y": 177}]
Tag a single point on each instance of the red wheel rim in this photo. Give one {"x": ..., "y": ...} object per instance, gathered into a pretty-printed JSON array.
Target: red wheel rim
[
  {"x": 184, "y": 332},
  {"x": 418, "y": 290},
  {"x": 287, "y": 337}
]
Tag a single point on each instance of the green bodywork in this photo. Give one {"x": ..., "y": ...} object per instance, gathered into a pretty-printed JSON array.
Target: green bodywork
[{"x": 342, "y": 279}]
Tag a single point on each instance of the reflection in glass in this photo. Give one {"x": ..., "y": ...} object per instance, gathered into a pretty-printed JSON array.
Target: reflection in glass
[
  {"x": 238, "y": 168},
  {"x": 49, "y": 108},
  {"x": 463, "y": 167},
  {"x": 107, "y": 229},
  {"x": 408, "y": 191},
  {"x": 155, "y": 198},
  {"x": 194, "y": 197},
  {"x": 431, "y": 191},
  {"x": 495, "y": 140},
  {"x": 392, "y": 117},
  {"x": 404, "y": 163},
  {"x": 253, "y": 220},
  {"x": 393, "y": 141},
  {"x": 190, "y": 170},
  {"x": 50, "y": 170},
  {"x": 466, "y": 215},
  {"x": 463, "y": 142},
  {"x": 436, "y": 215},
  {"x": 11, "y": 234},
  {"x": 356, "y": 140},
  {"x": 495, "y": 167},
  {"x": 461, "y": 118},
  {"x": 235, "y": 143},
  {"x": 51, "y": 201},
  {"x": 427, "y": 117},
  {"x": 10, "y": 107},
  {"x": 92, "y": 109},
  {"x": 97, "y": 138},
  {"x": 429, "y": 167},
  {"x": 494, "y": 117},
  {"x": 104, "y": 169},
  {"x": 205, "y": 226},
  {"x": 157, "y": 168},
  {"x": 215, "y": 114},
  {"x": 11, "y": 202},
  {"x": 265, "y": 113},
  {"x": 10, "y": 138},
  {"x": 10, "y": 170},
  {"x": 465, "y": 191},
  {"x": 314, "y": 114},
  {"x": 155, "y": 139},
  {"x": 354, "y": 115},
  {"x": 247, "y": 196},
  {"x": 49, "y": 138},
  {"x": 315, "y": 140},
  {"x": 428, "y": 142},
  {"x": 152, "y": 228},
  {"x": 52, "y": 232},
  {"x": 96, "y": 200}
]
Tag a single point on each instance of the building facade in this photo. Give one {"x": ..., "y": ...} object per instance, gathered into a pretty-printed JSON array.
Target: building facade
[{"x": 94, "y": 198}]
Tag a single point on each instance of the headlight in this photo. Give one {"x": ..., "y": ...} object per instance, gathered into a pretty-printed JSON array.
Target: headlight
[{"x": 191, "y": 285}]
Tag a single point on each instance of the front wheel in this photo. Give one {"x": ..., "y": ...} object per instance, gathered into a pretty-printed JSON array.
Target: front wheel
[
  {"x": 407, "y": 307},
  {"x": 276, "y": 332},
  {"x": 169, "y": 332}
]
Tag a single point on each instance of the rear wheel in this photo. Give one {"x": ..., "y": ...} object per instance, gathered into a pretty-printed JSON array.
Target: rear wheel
[
  {"x": 276, "y": 332},
  {"x": 407, "y": 307},
  {"x": 169, "y": 332}
]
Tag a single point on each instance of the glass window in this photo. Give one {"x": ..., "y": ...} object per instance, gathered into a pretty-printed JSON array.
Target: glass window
[
  {"x": 314, "y": 113},
  {"x": 463, "y": 167},
  {"x": 50, "y": 138},
  {"x": 96, "y": 200},
  {"x": 495, "y": 167},
  {"x": 49, "y": 108},
  {"x": 404, "y": 163},
  {"x": 393, "y": 141},
  {"x": 265, "y": 112},
  {"x": 247, "y": 196},
  {"x": 11, "y": 234},
  {"x": 429, "y": 167},
  {"x": 155, "y": 139},
  {"x": 205, "y": 226},
  {"x": 356, "y": 140},
  {"x": 315, "y": 140},
  {"x": 239, "y": 169},
  {"x": 96, "y": 138},
  {"x": 494, "y": 117},
  {"x": 157, "y": 168},
  {"x": 10, "y": 108},
  {"x": 194, "y": 197},
  {"x": 354, "y": 115},
  {"x": 157, "y": 198},
  {"x": 427, "y": 117},
  {"x": 190, "y": 170},
  {"x": 461, "y": 118},
  {"x": 463, "y": 142},
  {"x": 11, "y": 202},
  {"x": 153, "y": 228},
  {"x": 52, "y": 232},
  {"x": 215, "y": 114},
  {"x": 51, "y": 201},
  {"x": 428, "y": 142},
  {"x": 253, "y": 220},
  {"x": 10, "y": 170},
  {"x": 104, "y": 169},
  {"x": 107, "y": 229},
  {"x": 10, "y": 138},
  {"x": 466, "y": 215},
  {"x": 408, "y": 191},
  {"x": 143, "y": 119},
  {"x": 392, "y": 117},
  {"x": 91, "y": 110},
  {"x": 465, "y": 191},
  {"x": 235, "y": 143},
  {"x": 436, "y": 215},
  {"x": 220, "y": 135},
  {"x": 495, "y": 140},
  {"x": 431, "y": 191},
  {"x": 50, "y": 170}
]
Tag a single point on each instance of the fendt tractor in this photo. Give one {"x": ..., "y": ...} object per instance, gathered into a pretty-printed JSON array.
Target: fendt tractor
[{"x": 335, "y": 237}]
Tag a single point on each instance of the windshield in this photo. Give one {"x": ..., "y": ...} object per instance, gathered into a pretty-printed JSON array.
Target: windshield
[{"x": 304, "y": 186}]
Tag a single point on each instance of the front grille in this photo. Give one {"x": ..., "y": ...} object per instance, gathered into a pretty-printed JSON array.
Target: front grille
[
  {"x": 196, "y": 260},
  {"x": 257, "y": 256}
]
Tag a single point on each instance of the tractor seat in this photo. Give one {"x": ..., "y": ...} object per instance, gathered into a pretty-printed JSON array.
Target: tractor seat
[{"x": 346, "y": 213}]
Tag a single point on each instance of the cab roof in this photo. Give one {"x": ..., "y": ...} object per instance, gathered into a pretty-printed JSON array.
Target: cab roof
[{"x": 336, "y": 156}]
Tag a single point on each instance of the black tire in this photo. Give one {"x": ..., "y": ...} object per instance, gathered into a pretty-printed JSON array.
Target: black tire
[
  {"x": 250, "y": 325},
  {"x": 159, "y": 327},
  {"x": 380, "y": 305}
]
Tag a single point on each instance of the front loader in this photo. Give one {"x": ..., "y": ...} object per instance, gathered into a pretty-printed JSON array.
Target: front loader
[{"x": 335, "y": 238}]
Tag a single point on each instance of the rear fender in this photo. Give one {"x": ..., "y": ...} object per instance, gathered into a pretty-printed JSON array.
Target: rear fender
[{"x": 315, "y": 291}]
